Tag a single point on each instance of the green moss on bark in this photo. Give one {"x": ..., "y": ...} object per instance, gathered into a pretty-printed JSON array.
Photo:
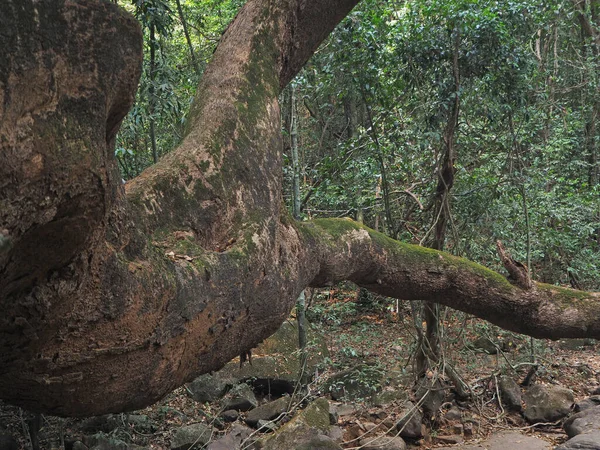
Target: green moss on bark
[
  {"x": 565, "y": 298},
  {"x": 408, "y": 254}
]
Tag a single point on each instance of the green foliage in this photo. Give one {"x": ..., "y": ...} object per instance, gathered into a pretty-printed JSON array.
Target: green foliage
[
  {"x": 156, "y": 13},
  {"x": 334, "y": 313},
  {"x": 348, "y": 352},
  {"x": 175, "y": 78},
  {"x": 377, "y": 100}
]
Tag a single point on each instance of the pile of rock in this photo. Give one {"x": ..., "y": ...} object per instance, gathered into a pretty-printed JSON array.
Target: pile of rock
[{"x": 583, "y": 426}]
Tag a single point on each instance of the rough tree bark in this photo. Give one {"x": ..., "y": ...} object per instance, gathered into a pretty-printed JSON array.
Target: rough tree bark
[{"x": 112, "y": 296}]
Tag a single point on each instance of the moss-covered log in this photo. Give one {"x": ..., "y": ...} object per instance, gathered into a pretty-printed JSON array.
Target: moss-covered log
[
  {"x": 112, "y": 296},
  {"x": 346, "y": 250}
]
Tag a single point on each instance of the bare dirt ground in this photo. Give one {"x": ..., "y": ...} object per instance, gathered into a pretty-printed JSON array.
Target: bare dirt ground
[{"x": 383, "y": 335}]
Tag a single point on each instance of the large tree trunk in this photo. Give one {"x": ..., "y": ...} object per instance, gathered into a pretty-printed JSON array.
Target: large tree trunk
[{"x": 112, "y": 296}]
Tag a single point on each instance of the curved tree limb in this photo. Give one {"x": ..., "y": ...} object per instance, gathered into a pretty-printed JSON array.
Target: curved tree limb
[
  {"x": 350, "y": 251},
  {"x": 99, "y": 312},
  {"x": 112, "y": 296}
]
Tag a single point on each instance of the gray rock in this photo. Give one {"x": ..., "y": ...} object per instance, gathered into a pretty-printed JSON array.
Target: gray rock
[
  {"x": 303, "y": 430},
  {"x": 96, "y": 424},
  {"x": 585, "y": 421},
  {"x": 485, "y": 345},
  {"x": 410, "y": 424},
  {"x": 394, "y": 382},
  {"x": 101, "y": 441},
  {"x": 334, "y": 416},
  {"x": 510, "y": 393},
  {"x": 587, "y": 403},
  {"x": 397, "y": 376},
  {"x": 231, "y": 415},
  {"x": 110, "y": 422},
  {"x": 77, "y": 445},
  {"x": 383, "y": 443},
  {"x": 343, "y": 409},
  {"x": 319, "y": 442},
  {"x": 208, "y": 388},
  {"x": 266, "y": 426},
  {"x": 170, "y": 412},
  {"x": 583, "y": 429},
  {"x": 450, "y": 440},
  {"x": 575, "y": 344},
  {"x": 432, "y": 395},
  {"x": 240, "y": 398},
  {"x": 547, "y": 403},
  {"x": 140, "y": 422},
  {"x": 453, "y": 414},
  {"x": 390, "y": 395},
  {"x": 586, "y": 441},
  {"x": 234, "y": 440},
  {"x": 193, "y": 436},
  {"x": 380, "y": 414},
  {"x": 368, "y": 426},
  {"x": 388, "y": 425},
  {"x": 336, "y": 433},
  {"x": 506, "y": 440},
  {"x": 268, "y": 411}
]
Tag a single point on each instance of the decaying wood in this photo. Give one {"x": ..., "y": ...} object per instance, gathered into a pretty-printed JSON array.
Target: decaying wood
[{"x": 519, "y": 273}]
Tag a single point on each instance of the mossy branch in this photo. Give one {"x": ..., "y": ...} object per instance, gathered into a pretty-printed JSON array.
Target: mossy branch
[{"x": 347, "y": 250}]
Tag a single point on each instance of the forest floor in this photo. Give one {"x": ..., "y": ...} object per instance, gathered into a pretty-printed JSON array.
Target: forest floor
[
  {"x": 383, "y": 335},
  {"x": 384, "y": 332}
]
